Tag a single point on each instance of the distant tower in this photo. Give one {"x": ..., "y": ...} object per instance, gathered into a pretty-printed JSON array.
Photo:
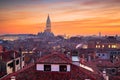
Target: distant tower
[
  {"x": 48, "y": 25},
  {"x": 99, "y": 34}
]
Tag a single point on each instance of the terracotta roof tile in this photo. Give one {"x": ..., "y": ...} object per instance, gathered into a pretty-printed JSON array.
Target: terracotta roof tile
[
  {"x": 30, "y": 72},
  {"x": 54, "y": 58}
]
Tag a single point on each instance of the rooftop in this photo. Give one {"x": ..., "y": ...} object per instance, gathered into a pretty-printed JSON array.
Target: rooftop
[{"x": 76, "y": 73}]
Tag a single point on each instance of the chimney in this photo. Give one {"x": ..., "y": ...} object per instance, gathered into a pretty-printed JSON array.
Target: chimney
[
  {"x": 20, "y": 51},
  {"x": 14, "y": 62},
  {"x": 21, "y": 58},
  {"x": 14, "y": 55},
  {"x": 32, "y": 60},
  {"x": 89, "y": 57},
  {"x": 106, "y": 77},
  {"x": 13, "y": 78},
  {"x": 3, "y": 51}
]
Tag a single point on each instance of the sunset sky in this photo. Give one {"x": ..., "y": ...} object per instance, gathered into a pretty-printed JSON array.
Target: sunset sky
[{"x": 71, "y": 17}]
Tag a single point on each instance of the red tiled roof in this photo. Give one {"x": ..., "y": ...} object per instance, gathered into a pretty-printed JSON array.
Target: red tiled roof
[
  {"x": 30, "y": 73},
  {"x": 103, "y": 63},
  {"x": 76, "y": 73},
  {"x": 27, "y": 70},
  {"x": 54, "y": 58}
]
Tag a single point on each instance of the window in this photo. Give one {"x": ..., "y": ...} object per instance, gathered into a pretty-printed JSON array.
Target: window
[
  {"x": 113, "y": 46},
  {"x": 17, "y": 62},
  {"x": 98, "y": 46},
  {"x": 103, "y": 54},
  {"x": 63, "y": 68},
  {"x": 10, "y": 65},
  {"x": 109, "y": 46},
  {"x": 113, "y": 71},
  {"x": 47, "y": 67},
  {"x": 98, "y": 54},
  {"x": 103, "y": 46},
  {"x": 118, "y": 53}
]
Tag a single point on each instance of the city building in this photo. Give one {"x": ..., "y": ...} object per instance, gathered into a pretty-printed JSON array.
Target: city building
[
  {"x": 103, "y": 55},
  {"x": 13, "y": 37},
  {"x": 115, "y": 55},
  {"x": 55, "y": 66},
  {"x": 105, "y": 43},
  {"x": 10, "y": 61}
]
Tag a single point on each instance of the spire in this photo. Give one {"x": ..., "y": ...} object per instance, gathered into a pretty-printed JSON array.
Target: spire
[
  {"x": 48, "y": 20},
  {"x": 48, "y": 24}
]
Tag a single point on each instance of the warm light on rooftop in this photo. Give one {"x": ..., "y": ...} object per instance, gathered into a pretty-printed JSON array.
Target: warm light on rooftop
[{"x": 86, "y": 67}]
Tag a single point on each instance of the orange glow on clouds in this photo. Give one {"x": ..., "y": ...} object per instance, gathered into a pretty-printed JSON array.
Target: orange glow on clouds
[{"x": 86, "y": 17}]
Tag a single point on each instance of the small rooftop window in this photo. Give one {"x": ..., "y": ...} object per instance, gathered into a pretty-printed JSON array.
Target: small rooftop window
[
  {"x": 75, "y": 58},
  {"x": 47, "y": 67},
  {"x": 63, "y": 68}
]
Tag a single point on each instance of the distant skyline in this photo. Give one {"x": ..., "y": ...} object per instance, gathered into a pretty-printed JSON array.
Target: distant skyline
[{"x": 71, "y": 17}]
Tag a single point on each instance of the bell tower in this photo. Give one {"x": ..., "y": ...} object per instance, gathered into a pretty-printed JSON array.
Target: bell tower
[{"x": 48, "y": 25}]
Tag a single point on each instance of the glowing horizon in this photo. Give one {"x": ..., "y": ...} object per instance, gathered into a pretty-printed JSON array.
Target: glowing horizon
[{"x": 85, "y": 17}]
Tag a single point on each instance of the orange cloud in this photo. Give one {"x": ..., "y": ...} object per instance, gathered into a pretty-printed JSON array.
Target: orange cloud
[{"x": 76, "y": 17}]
